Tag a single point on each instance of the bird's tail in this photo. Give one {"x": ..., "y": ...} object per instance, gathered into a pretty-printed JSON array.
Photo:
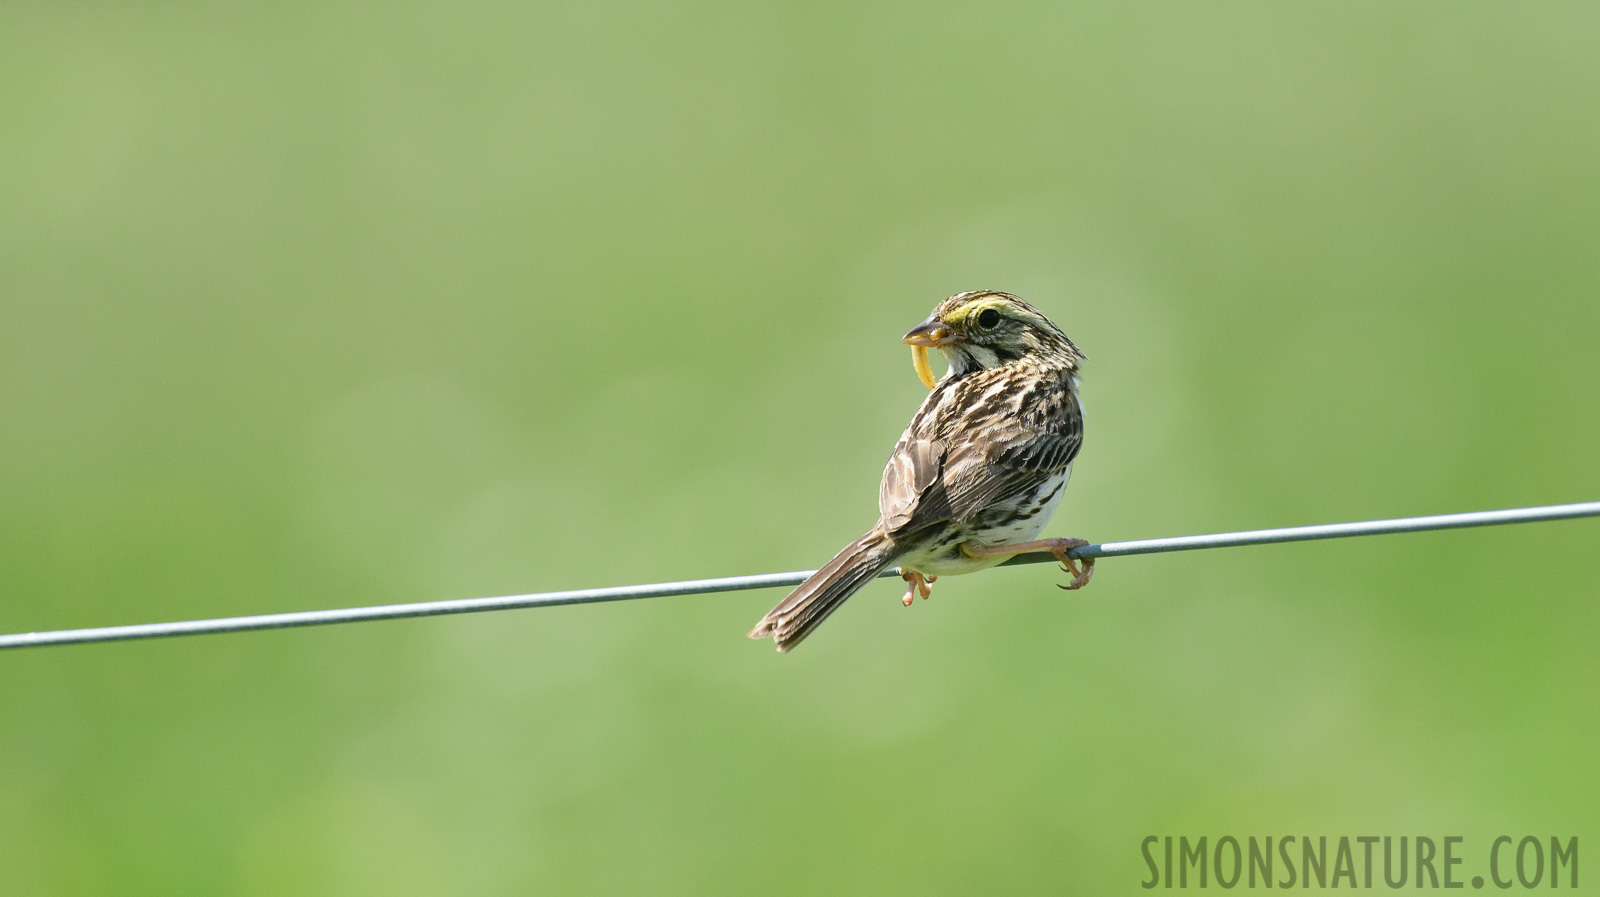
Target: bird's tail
[{"x": 811, "y": 603}]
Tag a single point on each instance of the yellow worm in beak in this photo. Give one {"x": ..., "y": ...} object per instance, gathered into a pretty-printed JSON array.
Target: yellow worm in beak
[{"x": 919, "y": 361}]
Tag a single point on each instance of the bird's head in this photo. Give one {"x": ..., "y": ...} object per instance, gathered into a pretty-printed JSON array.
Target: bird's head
[{"x": 988, "y": 329}]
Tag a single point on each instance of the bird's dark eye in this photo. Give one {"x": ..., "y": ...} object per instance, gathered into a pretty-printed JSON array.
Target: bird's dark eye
[{"x": 988, "y": 319}]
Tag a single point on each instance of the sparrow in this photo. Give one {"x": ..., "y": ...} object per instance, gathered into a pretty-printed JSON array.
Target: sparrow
[{"x": 979, "y": 471}]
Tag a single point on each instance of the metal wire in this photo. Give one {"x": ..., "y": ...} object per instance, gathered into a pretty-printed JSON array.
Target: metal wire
[{"x": 769, "y": 580}]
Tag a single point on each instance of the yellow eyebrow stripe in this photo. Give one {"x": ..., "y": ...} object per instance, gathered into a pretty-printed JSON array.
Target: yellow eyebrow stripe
[{"x": 974, "y": 306}]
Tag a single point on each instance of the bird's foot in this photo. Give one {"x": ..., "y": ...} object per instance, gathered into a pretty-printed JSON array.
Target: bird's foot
[
  {"x": 1080, "y": 575},
  {"x": 916, "y": 584},
  {"x": 1057, "y": 547}
]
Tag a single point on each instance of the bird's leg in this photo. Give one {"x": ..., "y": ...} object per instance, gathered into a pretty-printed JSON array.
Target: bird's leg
[
  {"x": 916, "y": 584},
  {"x": 1057, "y": 547}
]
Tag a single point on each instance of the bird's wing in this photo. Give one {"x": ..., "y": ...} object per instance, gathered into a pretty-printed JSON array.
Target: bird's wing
[
  {"x": 1009, "y": 457},
  {"x": 913, "y": 467}
]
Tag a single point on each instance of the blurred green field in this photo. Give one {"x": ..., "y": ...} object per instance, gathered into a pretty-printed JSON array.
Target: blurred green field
[{"x": 322, "y": 304}]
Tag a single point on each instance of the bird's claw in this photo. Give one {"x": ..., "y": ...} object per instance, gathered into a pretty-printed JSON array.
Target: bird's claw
[
  {"x": 1080, "y": 576},
  {"x": 916, "y": 584}
]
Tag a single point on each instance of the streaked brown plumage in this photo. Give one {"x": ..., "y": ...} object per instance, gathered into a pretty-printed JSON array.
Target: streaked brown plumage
[{"x": 979, "y": 471}]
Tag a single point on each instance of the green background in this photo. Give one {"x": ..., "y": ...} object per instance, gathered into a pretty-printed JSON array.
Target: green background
[{"x": 311, "y": 305}]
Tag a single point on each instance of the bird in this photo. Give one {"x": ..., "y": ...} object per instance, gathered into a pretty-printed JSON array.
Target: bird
[{"x": 978, "y": 472}]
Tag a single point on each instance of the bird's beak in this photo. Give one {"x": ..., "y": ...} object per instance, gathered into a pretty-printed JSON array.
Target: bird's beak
[{"x": 930, "y": 334}]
